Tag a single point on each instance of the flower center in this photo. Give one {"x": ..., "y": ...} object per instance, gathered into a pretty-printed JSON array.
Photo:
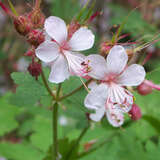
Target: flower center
[
  {"x": 64, "y": 46},
  {"x": 110, "y": 79}
]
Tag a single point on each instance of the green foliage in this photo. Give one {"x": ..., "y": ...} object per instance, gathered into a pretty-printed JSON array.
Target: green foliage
[
  {"x": 20, "y": 151},
  {"x": 60, "y": 8},
  {"x": 74, "y": 104},
  {"x": 28, "y": 92},
  {"x": 8, "y": 115},
  {"x": 42, "y": 128},
  {"x": 153, "y": 75}
]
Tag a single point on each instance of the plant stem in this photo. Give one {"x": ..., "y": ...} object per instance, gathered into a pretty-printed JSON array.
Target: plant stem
[
  {"x": 55, "y": 131},
  {"x": 97, "y": 146},
  {"x": 47, "y": 86},
  {"x": 55, "y": 125},
  {"x": 77, "y": 141},
  {"x": 74, "y": 91}
]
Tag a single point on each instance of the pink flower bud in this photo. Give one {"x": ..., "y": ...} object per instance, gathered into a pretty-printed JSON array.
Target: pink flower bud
[
  {"x": 135, "y": 112},
  {"x": 22, "y": 25},
  {"x": 35, "y": 69},
  {"x": 30, "y": 53},
  {"x": 35, "y": 37},
  {"x": 37, "y": 18},
  {"x": 144, "y": 89}
]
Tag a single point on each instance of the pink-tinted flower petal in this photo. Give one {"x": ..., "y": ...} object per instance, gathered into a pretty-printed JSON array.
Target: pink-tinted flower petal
[
  {"x": 97, "y": 116},
  {"x": 116, "y": 60},
  {"x": 59, "y": 70},
  {"x": 47, "y": 51},
  {"x": 92, "y": 84},
  {"x": 82, "y": 39},
  {"x": 97, "y": 66},
  {"x": 56, "y": 28},
  {"x": 97, "y": 97},
  {"x": 121, "y": 96},
  {"x": 115, "y": 117},
  {"x": 74, "y": 62},
  {"x": 133, "y": 76}
]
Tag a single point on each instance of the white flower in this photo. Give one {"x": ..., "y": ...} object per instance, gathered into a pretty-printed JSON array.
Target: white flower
[
  {"x": 60, "y": 52},
  {"x": 110, "y": 97}
]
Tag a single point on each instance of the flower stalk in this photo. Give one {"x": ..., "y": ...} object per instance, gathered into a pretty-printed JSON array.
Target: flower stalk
[{"x": 55, "y": 125}]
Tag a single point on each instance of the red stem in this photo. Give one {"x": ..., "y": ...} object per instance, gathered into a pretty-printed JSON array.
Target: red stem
[{"x": 5, "y": 9}]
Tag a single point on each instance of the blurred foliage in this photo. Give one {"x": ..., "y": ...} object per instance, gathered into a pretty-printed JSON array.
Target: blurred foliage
[{"x": 135, "y": 25}]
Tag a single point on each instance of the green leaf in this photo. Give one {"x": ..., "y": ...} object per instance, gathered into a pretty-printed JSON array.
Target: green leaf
[
  {"x": 8, "y": 115},
  {"x": 153, "y": 150},
  {"x": 22, "y": 151},
  {"x": 28, "y": 92},
  {"x": 65, "y": 146},
  {"x": 74, "y": 104},
  {"x": 131, "y": 148},
  {"x": 154, "y": 75},
  {"x": 68, "y": 12},
  {"x": 42, "y": 136}
]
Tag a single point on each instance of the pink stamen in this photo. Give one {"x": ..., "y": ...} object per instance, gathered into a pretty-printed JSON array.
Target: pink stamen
[{"x": 86, "y": 68}]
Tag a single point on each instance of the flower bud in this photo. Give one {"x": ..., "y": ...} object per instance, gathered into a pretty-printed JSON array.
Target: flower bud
[
  {"x": 30, "y": 52},
  {"x": 144, "y": 89},
  {"x": 22, "y": 25},
  {"x": 35, "y": 69},
  {"x": 35, "y": 37},
  {"x": 105, "y": 48},
  {"x": 37, "y": 18},
  {"x": 135, "y": 112},
  {"x": 73, "y": 27}
]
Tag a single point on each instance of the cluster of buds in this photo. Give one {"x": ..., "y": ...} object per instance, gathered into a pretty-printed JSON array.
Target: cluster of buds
[{"x": 30, "y": 26}]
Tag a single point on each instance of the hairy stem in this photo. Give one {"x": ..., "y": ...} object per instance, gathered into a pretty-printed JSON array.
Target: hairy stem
[
  {"x": 37, "y": 4},
  {"x": 55, "y": 125},
  {"x": 74, "y": 91},
  {"x": 47, "y": 86},
  {"x": 77, "y": 141}
]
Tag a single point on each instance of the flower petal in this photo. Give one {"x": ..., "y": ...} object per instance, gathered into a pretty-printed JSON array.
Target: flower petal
[
  {"x": 82, "y": 39},
  {"x": 97, "y": 97},
  {"x": 116, "y": 60},
  {"x": 132, "y": 76},
  {"x": 98, "y": 115},
  {"x": 59, "y": 70},
  {"x": 92, "y": 84},
  {"x": 115, "y": 117},
  {"x": 47, "y": 51},
  {"x": 74, "y": 62},
  {"x": 97, "y": 66},
  {"x": 56, "y": 28},
  {"x": 122, "y": 97}
]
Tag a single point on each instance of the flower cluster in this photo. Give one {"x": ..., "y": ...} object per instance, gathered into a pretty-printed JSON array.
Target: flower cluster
[
  {"x": 108, "y": 95},
  {"x": 61, "y": 50},
  {"x": 58, "y": 45}
]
